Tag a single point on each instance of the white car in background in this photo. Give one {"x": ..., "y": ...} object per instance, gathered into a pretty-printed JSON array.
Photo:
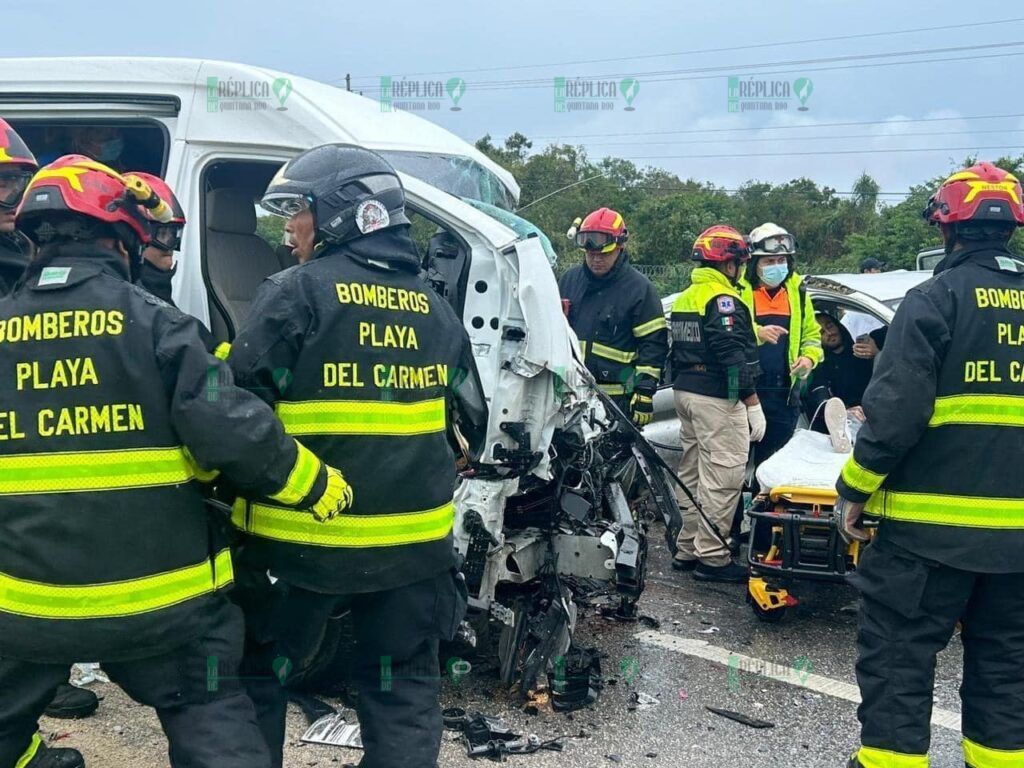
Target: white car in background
[{"x": 862, "y": 302}]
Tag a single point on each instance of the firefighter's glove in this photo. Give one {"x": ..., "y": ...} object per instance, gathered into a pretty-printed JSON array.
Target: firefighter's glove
[
  {"x": 641, "y": 408},
  {"x": 847, "y": 515},
  {"x": 337, "y": 497},
  {"x": 758, "y": 425}
]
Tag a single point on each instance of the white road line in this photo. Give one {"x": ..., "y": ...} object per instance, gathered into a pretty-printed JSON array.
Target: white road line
[{"x": 702, "y": 649}]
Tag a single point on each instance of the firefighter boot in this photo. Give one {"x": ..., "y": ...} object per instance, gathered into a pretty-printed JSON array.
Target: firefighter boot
[
  {"x": 71, "y": 703},
  {"x": 46, "y": 757}
]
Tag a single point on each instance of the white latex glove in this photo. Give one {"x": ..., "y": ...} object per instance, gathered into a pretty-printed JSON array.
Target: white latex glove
[{"x": 756, "y": 420}]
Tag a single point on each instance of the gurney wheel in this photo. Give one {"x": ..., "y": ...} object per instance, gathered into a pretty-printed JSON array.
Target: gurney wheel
[{"x": 772, "y": 616}]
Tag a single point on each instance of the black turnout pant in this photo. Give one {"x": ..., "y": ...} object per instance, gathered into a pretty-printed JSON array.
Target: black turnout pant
[
  {"x": 909, "y": 610},
  {"x": 208, "y": 719},
  {"x": 395, "y": 670}
]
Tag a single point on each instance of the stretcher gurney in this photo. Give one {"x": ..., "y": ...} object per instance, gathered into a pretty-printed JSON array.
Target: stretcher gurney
[{"x": 792, "y": 534}]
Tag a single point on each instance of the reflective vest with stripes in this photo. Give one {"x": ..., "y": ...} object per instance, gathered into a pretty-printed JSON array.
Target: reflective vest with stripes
[
  {"x": 804, "y": 337},
  {"x": 105, "y": 541},
  {"x": 943, "y": 445},
  {"x": 714, "y": 352},
  {"x": 359, "y": 363}
]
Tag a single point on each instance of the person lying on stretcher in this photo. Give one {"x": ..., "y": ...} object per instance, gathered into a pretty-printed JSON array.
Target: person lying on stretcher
[{"x": 837, "y": 385}]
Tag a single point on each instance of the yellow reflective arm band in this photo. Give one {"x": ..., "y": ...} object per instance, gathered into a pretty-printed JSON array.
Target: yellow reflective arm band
[
  {"x": 362, "y": 417},
  {"x": 223, "y": 569},
  {"x": 202, "y": 475},
  {"x": 810, "y": 335},
  {"x": 642, "y": 398},
  {"x": 649, "y": 370},
  {"x": 611, "y": 353},
  {"x": 301, "y": 479},
  {"x": 964, "y": 511},
  {"x": 870, "y": 757},
  {"x": 222, "y": 351},
  {"x": 861, "y": 479},
  {"x": 30, "y": 753},
  {"x": 280, "y": 524},
  {"x": 612, "y": 389},
  {"x": 239, "y": 510},
  {"x": 988, "y": 410},
  {"x": 119, "y": 598},
  {"x": 978, "y": 756},
  {"x": 30, "y": 473},
  {"x": 650, "y": 326}
]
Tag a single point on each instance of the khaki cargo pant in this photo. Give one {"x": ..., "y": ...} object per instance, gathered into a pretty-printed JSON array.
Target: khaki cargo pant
[{"x": 716, "y": 441}]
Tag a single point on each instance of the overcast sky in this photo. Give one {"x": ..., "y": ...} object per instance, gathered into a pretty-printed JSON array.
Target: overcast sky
[{"x": 420, "y": 40}]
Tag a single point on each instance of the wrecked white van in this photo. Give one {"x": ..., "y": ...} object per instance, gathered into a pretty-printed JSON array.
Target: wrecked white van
[{"x": 218, "y": 132}]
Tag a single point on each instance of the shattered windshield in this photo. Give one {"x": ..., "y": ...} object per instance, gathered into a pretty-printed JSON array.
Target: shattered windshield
[
  {"x": 517, "y": 224},
  {"x": 455, "y": 174}
]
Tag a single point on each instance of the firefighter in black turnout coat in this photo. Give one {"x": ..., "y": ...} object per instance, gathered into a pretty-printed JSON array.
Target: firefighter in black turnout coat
[
  {"x": 108, "y": 420},
  {"x": 939, "y": 461},
  {"x": 617, "y": 316},
  {"x": 372, "y": 369}
]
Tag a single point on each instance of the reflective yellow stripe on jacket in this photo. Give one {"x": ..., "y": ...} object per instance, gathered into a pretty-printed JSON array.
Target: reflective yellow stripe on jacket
[
  {"x": 859, "y": 478},
  {"x": 611, "y": 353},
  {"x": 28, "y": 473},
  {"x": 362, "y": 417},
  {"x": 965, "y": 511},
  {"x": 987, "y": 410},
  {"x": 650, "y": 327},
  {"x": 118, "y": 598},
  {"x": 298, "y": 527},
  {"x": 302, "y": 477}
]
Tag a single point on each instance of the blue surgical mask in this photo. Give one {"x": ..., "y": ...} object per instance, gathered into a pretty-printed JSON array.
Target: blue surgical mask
[
  {"x": 110, "y": 150},
  {"x": 772, "y": 275}
]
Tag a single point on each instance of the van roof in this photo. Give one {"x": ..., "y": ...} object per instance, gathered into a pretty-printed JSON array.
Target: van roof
[{"x": 313, "y": 112}]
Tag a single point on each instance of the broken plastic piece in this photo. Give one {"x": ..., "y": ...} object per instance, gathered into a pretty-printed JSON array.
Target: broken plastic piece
[
  {"x": 644, "y": 700},
  {"x": 575, "y": 682},
  {"x": 740, "y": 718},
  {"x": 333, "y": 731}
]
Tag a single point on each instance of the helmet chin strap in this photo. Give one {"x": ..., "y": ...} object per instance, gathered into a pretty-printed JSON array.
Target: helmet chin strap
[{"x": 949, "y": 238}]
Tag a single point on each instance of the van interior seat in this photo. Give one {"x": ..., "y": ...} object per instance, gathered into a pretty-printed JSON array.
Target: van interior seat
[{"x": 237, "y": 259}]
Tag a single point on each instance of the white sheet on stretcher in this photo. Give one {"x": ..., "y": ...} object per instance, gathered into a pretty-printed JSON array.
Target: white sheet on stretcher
[{"x": 806, "y": 461}]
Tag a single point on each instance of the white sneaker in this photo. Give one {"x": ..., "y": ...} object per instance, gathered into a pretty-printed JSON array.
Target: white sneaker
[{"x": 835, "y": 422}]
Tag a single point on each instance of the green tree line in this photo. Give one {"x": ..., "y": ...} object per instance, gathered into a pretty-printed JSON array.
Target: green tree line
[{"x": 665, "y": 213}]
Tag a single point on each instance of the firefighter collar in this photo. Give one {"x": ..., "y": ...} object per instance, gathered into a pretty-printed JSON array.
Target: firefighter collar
[{"x": 66, "y": 270}]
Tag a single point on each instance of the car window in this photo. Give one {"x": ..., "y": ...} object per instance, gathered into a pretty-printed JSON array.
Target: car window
[
  {"x": 124, "y": 145},
  {"x": 454, "y": 174}
]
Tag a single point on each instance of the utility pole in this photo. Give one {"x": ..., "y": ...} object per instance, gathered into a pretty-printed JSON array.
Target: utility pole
[{"x": 348, "y": 83}]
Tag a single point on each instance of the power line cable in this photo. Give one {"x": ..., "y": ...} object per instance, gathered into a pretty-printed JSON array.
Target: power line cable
[
  {"x": 837, "y": 38},
  {"x": 896, "y": 121},
  {"x": 806, "y": 138}
]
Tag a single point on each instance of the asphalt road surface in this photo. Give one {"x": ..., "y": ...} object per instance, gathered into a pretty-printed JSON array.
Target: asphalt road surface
[{"x": 709, "y": 650}]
